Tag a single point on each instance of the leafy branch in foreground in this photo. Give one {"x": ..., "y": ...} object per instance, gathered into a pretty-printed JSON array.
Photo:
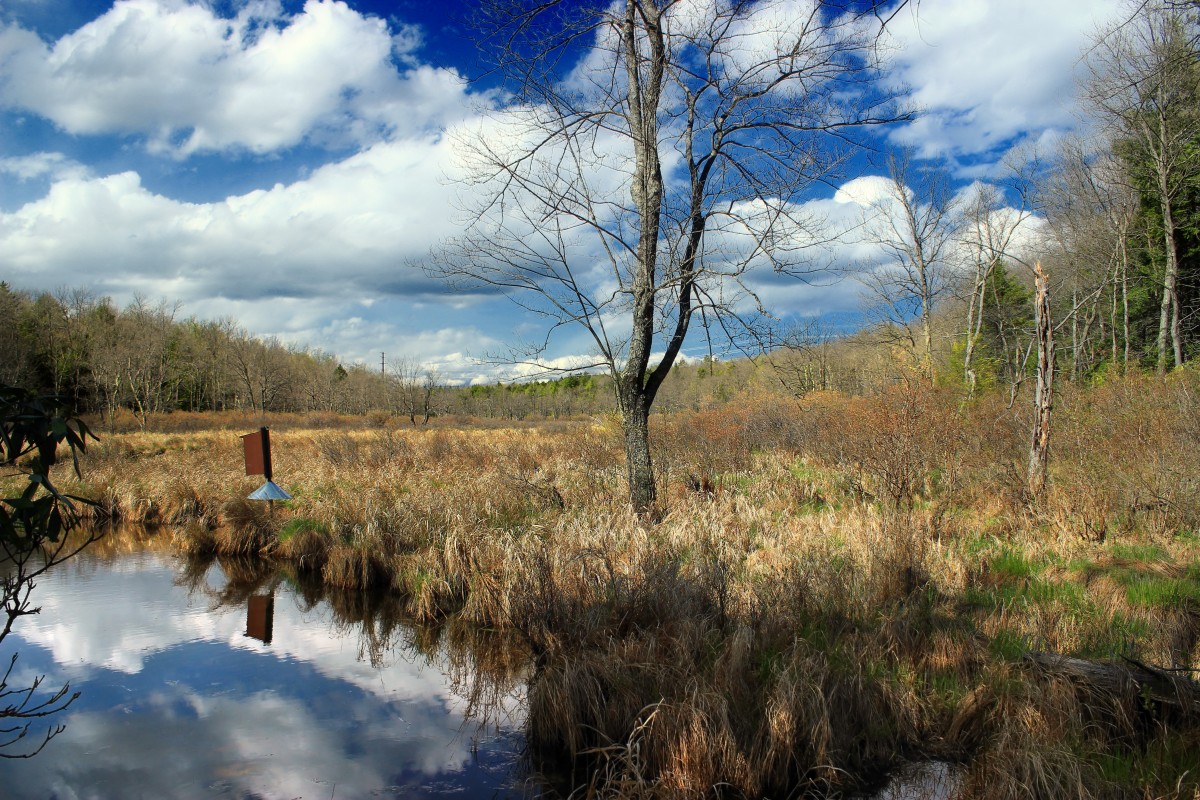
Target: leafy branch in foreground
[{"x": 33, "y": 538}]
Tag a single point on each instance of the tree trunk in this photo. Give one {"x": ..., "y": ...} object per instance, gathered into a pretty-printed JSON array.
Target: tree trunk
[
  {"x": 1043, "y": 398},
  {"x": 969, "y": 347},
  {"x": 1168, "y": 319},
  {"x": 1166, "y": 306},
  {"x": 1074, "y": 334},
  {"x": 635, "y": 419},
  {"x": 927, "y": 332},
  {"x": 644, "y": 72},
  {"x": 983, "y": 273},
  {"x": 1131, "y": 677},
  {"x": 1124, "y": 301},
  {"x": 1176, "y": 332},
  {"x": 1112, "y": 316}
]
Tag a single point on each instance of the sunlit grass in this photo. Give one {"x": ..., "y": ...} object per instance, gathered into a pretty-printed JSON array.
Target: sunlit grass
[{"x": 801, "y": 619}]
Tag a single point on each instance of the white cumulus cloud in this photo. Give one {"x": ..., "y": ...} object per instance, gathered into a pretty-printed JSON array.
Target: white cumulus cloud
[
  {"x": 38, "y": 165},
  {"x": 190, "y": 81},
  {"x": 345, "y": 231},
  {"x": 986, "y": 72}
]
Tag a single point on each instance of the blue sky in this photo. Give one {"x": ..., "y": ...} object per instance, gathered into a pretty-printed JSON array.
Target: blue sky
[{"x": 284, "y": 163}]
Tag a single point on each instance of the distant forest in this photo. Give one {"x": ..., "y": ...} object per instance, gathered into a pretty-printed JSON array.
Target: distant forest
[{"x": 143, "y": 360}]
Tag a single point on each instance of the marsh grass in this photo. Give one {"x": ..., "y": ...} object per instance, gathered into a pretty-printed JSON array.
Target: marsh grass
[{"x": 836, "y": 602}]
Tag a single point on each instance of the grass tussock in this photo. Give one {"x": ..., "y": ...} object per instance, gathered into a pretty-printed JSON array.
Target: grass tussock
[
  {"x": 356, "y": 568},
  {"x": 839, "y": 585},
  {"x": 301, "y": 542}
]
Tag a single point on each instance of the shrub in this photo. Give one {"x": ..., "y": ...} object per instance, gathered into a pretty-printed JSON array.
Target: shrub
[{"x": 902, "y": 444}]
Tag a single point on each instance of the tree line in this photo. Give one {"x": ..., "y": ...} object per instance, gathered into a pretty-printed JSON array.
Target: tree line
[{"x": 145, "y": 359}]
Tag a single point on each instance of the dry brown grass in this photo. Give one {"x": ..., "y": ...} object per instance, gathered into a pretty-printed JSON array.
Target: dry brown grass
[{"x": 843, "y": 598}]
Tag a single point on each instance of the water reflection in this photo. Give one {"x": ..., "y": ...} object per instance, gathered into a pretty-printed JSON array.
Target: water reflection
[{"x": 227, "y": 679}]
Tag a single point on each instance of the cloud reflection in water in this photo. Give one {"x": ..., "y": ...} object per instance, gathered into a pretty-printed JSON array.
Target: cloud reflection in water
[{"x": 179, "y": 702}]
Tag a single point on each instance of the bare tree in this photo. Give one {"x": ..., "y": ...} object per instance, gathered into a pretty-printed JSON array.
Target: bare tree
[
  {"x": 361, "y": 390},
  {"x": 131, "y": 356},
  {"x": 318, "y": 380},
  {"x": 802, "y": 361},
  {"x": 412, "y": 387},
  {"x": 143, "y": 346},
  {"x": 105, "y": 361},
  {"x": 1144, "y": 80},
  {"x": 629, "y": 193},
  {"x": 988, "y": 231},
  {"x": 261, "y": 367},
  {"x": 915, "y": 223},
  {"x": 1090, "y": 208},
  {"x": 431, "y": 381}
]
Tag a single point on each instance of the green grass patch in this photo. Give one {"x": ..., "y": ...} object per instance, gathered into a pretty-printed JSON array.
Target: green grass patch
[
  {"x": 299, "y": 524},
  {"x": 1138, "y": 552},
  {"x": 1114, "y": 638},
  {"x": 817, "y": 636},
  {"x": 739, "y": 482},
  {"x": 1008, "y": 645},
  {"x": 1065, "y": 593},
  {"x": 947, "y": 686},
  {"x": 1153, "y": 590},
  {"x": 1029, "y": 592},
  {"x": 412, "y": 581},
  {"x": 981, "y": 598},
  {"x": 976, "y": 546},
  {"x": 1014, "y": 564},
  {"x": 802, "y": 472}
]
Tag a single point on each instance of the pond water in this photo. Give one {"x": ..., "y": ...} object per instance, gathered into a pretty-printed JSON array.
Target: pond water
[{"x": 222, "y": 680}]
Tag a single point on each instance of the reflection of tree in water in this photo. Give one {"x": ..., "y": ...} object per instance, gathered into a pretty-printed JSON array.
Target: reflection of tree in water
[
  {"x": 484, "y": 667},
  {"x": 477, "y": 653},
  {"x": 109, "y": 542}
]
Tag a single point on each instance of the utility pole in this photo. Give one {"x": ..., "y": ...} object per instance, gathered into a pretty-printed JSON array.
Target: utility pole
[{"x": 383, "y": 363}]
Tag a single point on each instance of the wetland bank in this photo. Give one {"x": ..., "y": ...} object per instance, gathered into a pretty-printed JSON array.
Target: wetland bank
[{"x": 837, "y": 587}]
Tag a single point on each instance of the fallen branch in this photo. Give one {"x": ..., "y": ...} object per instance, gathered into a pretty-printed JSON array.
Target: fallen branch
[{"x": 1168, "y": 687}]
